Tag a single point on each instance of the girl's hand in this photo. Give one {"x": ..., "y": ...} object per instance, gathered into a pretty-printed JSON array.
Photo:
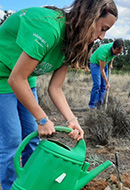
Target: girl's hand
[
  {"x": 47, "y": 129},
  {"x": 77, "y": 133}
]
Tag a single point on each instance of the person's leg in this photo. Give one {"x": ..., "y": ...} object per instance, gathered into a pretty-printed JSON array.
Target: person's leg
[
  {"x": 103, "y": 86},
  {"x": 10, "y": 138},
  {"x": 96, "y": 76},
  {"x": 28, "y": 123}
]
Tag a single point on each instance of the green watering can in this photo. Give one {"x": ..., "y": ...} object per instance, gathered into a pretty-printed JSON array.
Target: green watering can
[{"x": 54, "y": 166}]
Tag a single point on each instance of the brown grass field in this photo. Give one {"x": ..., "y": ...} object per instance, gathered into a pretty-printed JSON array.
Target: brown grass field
[
  {"x": 77, "y": 88},
  {"x": 106, "y": 132}
]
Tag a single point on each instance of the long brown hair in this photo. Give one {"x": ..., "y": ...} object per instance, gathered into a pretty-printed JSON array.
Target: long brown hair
[
  {"x": 81, "y": 18},
  {"x": 80, "y": 25}
]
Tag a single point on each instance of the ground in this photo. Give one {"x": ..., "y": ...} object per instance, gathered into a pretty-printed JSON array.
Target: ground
[
  {"x": 77, "y": 89},
  {"x": 109, "y": 176}
]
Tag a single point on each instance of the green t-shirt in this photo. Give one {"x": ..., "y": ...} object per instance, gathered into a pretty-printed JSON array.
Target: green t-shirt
[
  {"x": 103, "y": 53},
  {"x": 37, "y": 31}
]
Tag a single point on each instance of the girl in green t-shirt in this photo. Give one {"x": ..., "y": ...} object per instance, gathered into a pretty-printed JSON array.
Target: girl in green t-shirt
[{"x": 33, "y": 42}]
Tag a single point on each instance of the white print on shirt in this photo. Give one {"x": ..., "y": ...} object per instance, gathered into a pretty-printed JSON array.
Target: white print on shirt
[
  {"x": 41, "y": 39},
  {"x": 39, "y": 43},
  {"x": 103, "y": 56},
  {"x": 24, "y": 12},
  {"x": 42, "y": 68}
]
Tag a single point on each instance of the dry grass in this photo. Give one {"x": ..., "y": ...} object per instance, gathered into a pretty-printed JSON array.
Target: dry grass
[
  {"x": 120, "y": 89},
  {"x": 100, "y": 124},
  {"x": 77, "y": 88}
]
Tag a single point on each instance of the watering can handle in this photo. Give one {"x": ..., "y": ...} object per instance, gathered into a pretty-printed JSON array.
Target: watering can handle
[{"x": 23, "y": 144}]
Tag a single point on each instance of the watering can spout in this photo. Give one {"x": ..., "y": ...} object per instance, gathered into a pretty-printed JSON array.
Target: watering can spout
[{"x": 86, "y": 177}]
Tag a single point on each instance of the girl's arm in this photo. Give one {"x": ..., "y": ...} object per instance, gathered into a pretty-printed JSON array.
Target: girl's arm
[
  {"x": 57, "y": 96},
  {"x": 18, "y": 81}
]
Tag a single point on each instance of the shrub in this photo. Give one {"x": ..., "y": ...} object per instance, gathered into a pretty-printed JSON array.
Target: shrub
[
  {"x": 121, "y": 120},
  {"x": 99, "y": 126}
]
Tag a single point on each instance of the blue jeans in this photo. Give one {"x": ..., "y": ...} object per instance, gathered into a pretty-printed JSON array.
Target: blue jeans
[
  {"x": 16, "y": 122},
  {"x": 99, "y": 86}
]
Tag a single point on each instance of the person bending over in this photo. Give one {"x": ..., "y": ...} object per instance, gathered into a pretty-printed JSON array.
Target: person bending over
[
  {"x": 33, "y": 42},
  {"x": 99, "y": 70}
]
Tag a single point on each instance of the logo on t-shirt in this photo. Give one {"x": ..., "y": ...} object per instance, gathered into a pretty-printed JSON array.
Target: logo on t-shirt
[
  {"x": 40, "y": 40},
  {"x": 23, "y": 12},
  {"x": 42, "y": 68}
]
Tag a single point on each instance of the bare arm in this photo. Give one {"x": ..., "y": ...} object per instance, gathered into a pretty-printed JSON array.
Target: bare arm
[
  {"x": 57, "y": 96},
  {"x": 19, "y": 84},
  {"x": 102, "y": 66},
  {"x": 55, "y": 90},
  {"x": 111, "y": 64}
]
